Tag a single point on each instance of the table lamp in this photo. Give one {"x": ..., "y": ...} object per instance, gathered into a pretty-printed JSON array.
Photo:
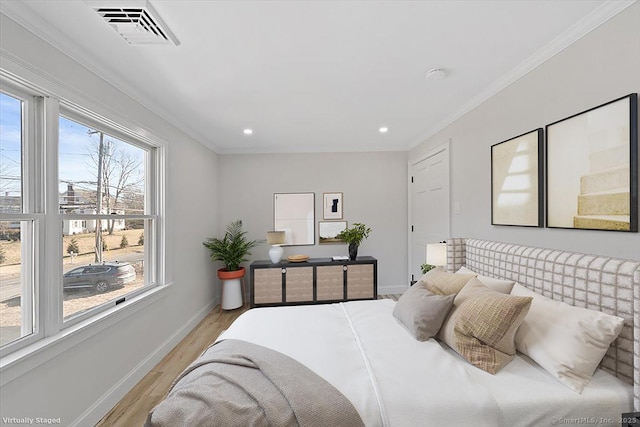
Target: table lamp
[{"x": 436, "y": 255}]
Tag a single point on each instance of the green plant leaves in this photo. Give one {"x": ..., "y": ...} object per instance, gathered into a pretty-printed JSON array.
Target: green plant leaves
[{"x": 233, "y": 248}]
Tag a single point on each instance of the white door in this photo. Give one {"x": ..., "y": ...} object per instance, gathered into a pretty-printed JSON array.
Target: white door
[{"x": 429, "y": 220}]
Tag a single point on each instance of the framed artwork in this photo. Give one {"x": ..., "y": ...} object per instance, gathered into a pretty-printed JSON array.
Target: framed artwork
[
  {"x": 332, "y": 206},
  {"x": 329, "y": 230},
  {"x": 294, "y": 213},
  {"x": 516, "y": 181},
  {"x": 592, "y": 168}
]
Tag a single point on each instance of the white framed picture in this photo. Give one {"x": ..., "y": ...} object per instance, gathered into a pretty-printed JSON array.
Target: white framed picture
[{"x": 332, "y": 206}]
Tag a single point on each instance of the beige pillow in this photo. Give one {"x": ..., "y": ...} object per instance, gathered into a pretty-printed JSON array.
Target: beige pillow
[
  {"x": 482, "y": 325},
  {"x": 441, "y": 282},
  {"x": 498, "y": 285},
  {"x": 422, "y": 312},
  {"x": 567, "y": 341}
]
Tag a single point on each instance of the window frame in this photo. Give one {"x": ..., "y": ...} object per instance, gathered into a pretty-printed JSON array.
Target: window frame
[
  {"x": 150, "y": 216},
  {"x": 31, "y": 214},
  {"x": 41, "y": 207}
]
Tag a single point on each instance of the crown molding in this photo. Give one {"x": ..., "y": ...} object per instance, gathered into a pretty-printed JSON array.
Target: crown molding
[
  {"x": 595, "y": 19},
  {"x": 293, "y": 149},
  {"x": 26, "y": 17}
]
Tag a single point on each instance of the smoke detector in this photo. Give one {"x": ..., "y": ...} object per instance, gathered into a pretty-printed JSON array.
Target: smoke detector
[
  {"x": 436, "y": 74},
  {"x": 136, "y": 22}
]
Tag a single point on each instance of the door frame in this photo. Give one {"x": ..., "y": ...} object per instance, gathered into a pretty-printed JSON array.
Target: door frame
[{"x": 444, "y": 146}]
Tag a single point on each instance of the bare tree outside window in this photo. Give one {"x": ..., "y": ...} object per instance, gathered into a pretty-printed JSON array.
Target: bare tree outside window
[
  {"x": 102, "y": 184},
  {"x": 120, "y": 178}
]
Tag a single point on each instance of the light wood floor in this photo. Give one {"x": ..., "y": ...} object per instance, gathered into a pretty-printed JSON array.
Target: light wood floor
[{"x": 132, "y": 410}]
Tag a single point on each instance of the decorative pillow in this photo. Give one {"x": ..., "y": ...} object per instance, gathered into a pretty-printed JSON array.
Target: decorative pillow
[
  {"x": 422, "y": 312},
  {"x": 441, "y": 282},
  {"x": 482, "y": 325},
  {"x": 567, "y": 341},
  {"x": 498, "y": 285}
]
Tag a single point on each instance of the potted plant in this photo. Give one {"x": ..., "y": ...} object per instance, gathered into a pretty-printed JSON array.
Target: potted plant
[
  {"x": 354, "y": 236},
  {"x": 426, "y": 268},
  {"x": 232, "y": 250}
]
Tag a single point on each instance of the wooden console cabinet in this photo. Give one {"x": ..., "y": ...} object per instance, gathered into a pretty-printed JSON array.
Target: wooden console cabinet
[{"x": 317, "y": 280}]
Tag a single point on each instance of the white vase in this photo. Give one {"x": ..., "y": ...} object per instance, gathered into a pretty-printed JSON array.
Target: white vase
[{"x": 275, "y": 253}]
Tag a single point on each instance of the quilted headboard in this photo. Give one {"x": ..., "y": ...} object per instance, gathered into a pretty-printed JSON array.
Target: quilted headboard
[{"x": 610, "y": 285}]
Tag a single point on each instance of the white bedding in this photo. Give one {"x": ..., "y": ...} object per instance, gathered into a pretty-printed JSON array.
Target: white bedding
[{"x": 394, "y": 380}]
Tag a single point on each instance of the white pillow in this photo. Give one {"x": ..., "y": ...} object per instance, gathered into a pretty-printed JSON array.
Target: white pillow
[
  {"x": 569, "y": 342},
  {"x": 498, "y": 285}
]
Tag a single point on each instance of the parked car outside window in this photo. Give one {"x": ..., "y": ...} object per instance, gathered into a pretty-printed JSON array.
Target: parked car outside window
[{"x": 100, "y": 277}]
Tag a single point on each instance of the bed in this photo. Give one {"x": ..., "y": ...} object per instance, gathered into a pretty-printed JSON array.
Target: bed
[{"x": 391, "y": 379}]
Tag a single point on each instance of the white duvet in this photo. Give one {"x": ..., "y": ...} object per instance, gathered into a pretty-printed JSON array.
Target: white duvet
[{"x": 394, "y": 380}]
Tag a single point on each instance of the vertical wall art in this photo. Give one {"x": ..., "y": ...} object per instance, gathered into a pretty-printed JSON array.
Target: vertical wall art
[
  {"x": 592, "y": 168},
  {"x": 332, "y": 205},
  {"x": 516, "y": 181}
]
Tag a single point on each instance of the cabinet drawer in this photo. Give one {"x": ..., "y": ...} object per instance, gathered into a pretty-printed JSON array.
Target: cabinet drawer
[
  {"x": 360, "y": 281},
  {"x": 330, "y": 282},
  {"x": 299, "y": 281},
  {"x": 267, "y": 286}
]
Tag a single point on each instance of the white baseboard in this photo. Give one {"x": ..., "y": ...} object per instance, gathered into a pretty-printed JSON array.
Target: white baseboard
[{"x": 102, "y": 406}]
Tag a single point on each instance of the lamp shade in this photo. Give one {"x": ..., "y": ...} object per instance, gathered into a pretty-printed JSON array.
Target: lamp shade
[
  {"x": 275, "y": 237},
  {"x": 436, "y": 254}
]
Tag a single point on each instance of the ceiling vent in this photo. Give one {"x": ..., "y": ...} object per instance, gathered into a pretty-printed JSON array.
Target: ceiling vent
[{"x": 138, "y": 23}]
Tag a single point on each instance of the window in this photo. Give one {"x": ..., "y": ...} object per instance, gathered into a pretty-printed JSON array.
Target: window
[
  {"x": 102, "y": 182},
  {"x": 101, "y": 207},
  {"x": 18, "y": 219}
]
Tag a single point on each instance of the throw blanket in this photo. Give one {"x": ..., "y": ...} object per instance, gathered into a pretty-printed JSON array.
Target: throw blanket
[{"x": 237, "y": 383}]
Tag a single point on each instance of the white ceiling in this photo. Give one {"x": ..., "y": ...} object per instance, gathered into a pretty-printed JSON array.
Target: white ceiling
[{"x": 312, "y": 76}]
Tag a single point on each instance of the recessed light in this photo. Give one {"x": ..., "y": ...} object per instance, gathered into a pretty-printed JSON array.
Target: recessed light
[
  {"x": 435, "y": 74},
  {"x": 384, "y": 129},
  {"x": 247, "y": 131}
]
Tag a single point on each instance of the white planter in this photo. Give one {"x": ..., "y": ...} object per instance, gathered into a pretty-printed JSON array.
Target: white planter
[{"x": 231, "y": 294}]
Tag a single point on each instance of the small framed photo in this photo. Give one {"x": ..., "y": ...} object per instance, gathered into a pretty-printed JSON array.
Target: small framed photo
[
  {"x": 332, "y": 205},
  {"x": 329, "y": 230}
]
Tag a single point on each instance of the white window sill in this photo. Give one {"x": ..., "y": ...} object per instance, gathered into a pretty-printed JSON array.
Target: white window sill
[{"x": 22, "y": 361}]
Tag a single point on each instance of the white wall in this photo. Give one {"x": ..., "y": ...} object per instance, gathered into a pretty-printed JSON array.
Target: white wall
[
  {"x": 374, "y": 187},
  {"x": 602, "y": 66},
  {"x": 83, "y": 381}
]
